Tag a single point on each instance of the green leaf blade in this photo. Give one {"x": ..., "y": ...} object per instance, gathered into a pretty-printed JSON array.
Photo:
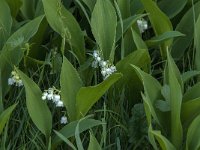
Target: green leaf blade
[
  {"x": 37, "y": 108},
  {"x": 88, "y": 96},
  {"x": 103, "y": 24},
  {"x": 70, "y": 84},
  {"x": 64, "y": 23}
]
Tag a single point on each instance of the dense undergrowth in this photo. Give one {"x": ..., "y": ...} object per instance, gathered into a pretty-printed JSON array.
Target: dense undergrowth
[{"x": 100, "y": 74}]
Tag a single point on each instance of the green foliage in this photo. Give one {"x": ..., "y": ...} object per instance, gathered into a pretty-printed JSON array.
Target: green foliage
[
  {"x": 12, "y": 51},
  {"x": 70, "y": 84},
  {"x": 5, "y": 23},
  {"x": 160, "y": 22},
  {"x": 181, "y": 113},
  {"x": 63, "y": 22},
  {"x": 93, "y": 143},
  {"x": 150, "y": 100},
  {"x": 69, "y": 130},
  {"x": 38, "y": 110},
  {"x": 5, "y": 116},
  {"x": 185, "y": 26},
  {"x": 88, "y": 96},
  {"x": 103, "y": 24}
]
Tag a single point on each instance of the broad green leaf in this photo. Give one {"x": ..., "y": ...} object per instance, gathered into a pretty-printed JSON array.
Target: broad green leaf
[
  {"x": 12, "y": 51},
  {"x": 124, "y": 6},
  {"x": 192, "y": 93},
  {"x": 152, "y": 89},
  {"x": 93, "y": 143},
  {"x": 164, "y": 143},
  {"x": 70, "y": 83},
  {"x": 39, "y": 10},
  {"x": 175, "y": 103},
  {"x": 189, "y": 74},
  {"x": 163, "y": 37},
  {"x": 130, "y": 79},
  {"x": 69, "y": 129},
  {"x": 88, "y": 96},
  {"x": 136, "y": 7},
  {"x": 185, "y": 26},
  {"x": 37, "y": 108},
  {"x": 197, "y": 43},
  {"x": 5, "y": 115},
  {"x": 37, "y": 51},
  {"x": 162, "y": 105},
  {"x": 193, "y": 139},
  {"x": 65, "y": 140},
  {"x": 77, "y": 135},
  {"x": 103, "y": 24},
  {"x": 127, "y": 23},
  {"x": 64, "y": 23},
  {"x": 5, "y": 22},
  {"x": 1, "y": 95},
  {"x": 28, "y": 9},
  {"x": 148, "y": 110},
  {"x": 14, "y": 6},
  {"x": 90, "y": 4},
  {"x": 175, "y": 70},
  {"x": 160, "y": 22},
  {"x": 140, "y": 44},
  {"x": 172, "y": 8},
  {"x": 189, "y": 110}
]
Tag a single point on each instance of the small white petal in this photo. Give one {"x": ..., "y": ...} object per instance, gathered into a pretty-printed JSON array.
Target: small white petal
[
  {"x": 113, "y": 69},
  {"x": 45, "y": 94},
  {"x": 103, "y": 63},
  {"x": 145, "y": 26},
  {"x": 44, "y": 97},
  {"x": 98, "y": 58},
  {"x": 95, "y": 54},
  {"x": 56, "y": 98},
  {"x": 59, "y": 104},
  {"x": 20, "y": 83},
  {"x": 50, "y": 96},
  {"x": 103, "y": 72},
  {"x": 63, "y": 120},
  {"x": 50, "y": 91},
  {"x": 11, "y": 81},
  {"x": 108, "y": 71}
]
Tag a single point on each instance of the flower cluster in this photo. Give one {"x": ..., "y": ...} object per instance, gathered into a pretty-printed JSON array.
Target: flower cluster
[
  {"x": 15, "y": 79},
  {"x": 106, "y": 68},
  {"x": 142, "y": 25},
  {"x": 54, "y": 95}
]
